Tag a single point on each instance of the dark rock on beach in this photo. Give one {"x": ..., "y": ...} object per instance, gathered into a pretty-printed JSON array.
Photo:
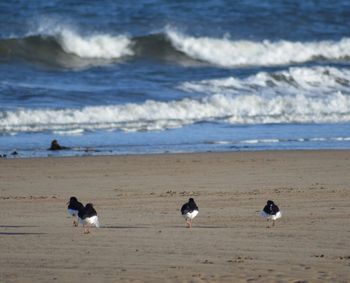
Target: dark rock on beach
[{"x": 56, "y": 146}]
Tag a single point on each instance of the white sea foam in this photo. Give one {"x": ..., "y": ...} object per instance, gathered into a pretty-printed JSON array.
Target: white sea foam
[
  {"x": 152, "y": 115},
  {"x": 261, "y": 141},
  {"x": 274, "y": 141},
  {"x": 308, "y": 81},
  {"x": 93, "y": 45},
  {"x": 74, "y": 132},
  {"x": 218, "y": 142},
  {"x": 318, "y": 139},
  {"x": 227, "y": 52},
  {"x": 296, "y": 95},
  {"x": 341, "y": 139}
]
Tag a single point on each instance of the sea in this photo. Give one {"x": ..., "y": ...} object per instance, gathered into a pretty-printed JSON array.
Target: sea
[{"x": 111, "y": 77}]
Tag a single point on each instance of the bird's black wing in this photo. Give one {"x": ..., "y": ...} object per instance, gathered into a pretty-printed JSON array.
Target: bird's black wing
[
  {"x": 185, "y": 209},
  {"x": 274, "y": 209}
]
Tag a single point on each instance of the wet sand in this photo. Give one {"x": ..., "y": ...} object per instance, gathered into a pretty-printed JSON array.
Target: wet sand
[{"x": 143, "y": 237}]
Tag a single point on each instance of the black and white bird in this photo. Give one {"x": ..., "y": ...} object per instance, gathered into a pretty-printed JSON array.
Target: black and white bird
[
  {"x": 73, "y": 209},
  {"x": 271, "y": 212},
  {"x": 88, "y": 217},
  {"x": 189, "y": 211}
]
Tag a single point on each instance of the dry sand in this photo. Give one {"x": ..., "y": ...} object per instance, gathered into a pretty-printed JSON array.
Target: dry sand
[{"x": 143, "y": 237}]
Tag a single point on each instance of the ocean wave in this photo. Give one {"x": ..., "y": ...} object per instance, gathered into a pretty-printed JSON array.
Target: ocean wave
[
  {"x": 156, "y": 116},
  {"x": 295, "y": 95},
  {"x": 62, "y": 46},
  {"x": 85, "y": 45},
  {"x": 293, "y": 81},
  {"x": 102, "y": 46},
  {"x": 227, "y": 52}
]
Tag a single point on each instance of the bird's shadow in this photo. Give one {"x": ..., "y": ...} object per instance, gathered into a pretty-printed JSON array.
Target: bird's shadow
[
  {"x": 200, "y": 227},
  {"x": 20, "y": 233},
  {"x": 123, "y": 227},
  {"x": 17, "y": 226},
  {"x": 173, "y": 226}
]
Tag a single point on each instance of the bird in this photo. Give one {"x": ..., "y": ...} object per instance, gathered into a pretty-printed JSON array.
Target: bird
[
  {"x": 73, "y": 209},
  {"x": 271, "y": 211},
  {"x": 88, "y": 217},
  {"x": 189, "y": 211}
]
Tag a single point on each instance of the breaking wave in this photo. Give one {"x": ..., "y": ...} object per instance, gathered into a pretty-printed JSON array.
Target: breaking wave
[
  {"x": 312, "y": 81},
  {"x": 297, "y": 95},
  {"x": 65, "y": 47},
  {"x": 226, "y": 52}
]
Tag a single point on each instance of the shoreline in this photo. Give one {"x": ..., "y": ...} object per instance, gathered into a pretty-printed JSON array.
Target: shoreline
[
  {"x": 14, "y": 157},
  {"x": 143, "y": 236}
]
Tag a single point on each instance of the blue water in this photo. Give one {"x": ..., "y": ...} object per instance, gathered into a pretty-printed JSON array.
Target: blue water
[{"x": 106, "y": 77}]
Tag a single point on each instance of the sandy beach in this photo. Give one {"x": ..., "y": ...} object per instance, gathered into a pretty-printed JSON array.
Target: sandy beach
[{"x": 143, "y": 237}]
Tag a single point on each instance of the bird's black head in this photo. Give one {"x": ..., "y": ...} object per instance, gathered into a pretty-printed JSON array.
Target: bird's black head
[
  {"x": 191, "y": 200},
  {"x": 270, "y": 202},
  {"x": 89, "y": 206},
  {"x": 73, "y": 199}
]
